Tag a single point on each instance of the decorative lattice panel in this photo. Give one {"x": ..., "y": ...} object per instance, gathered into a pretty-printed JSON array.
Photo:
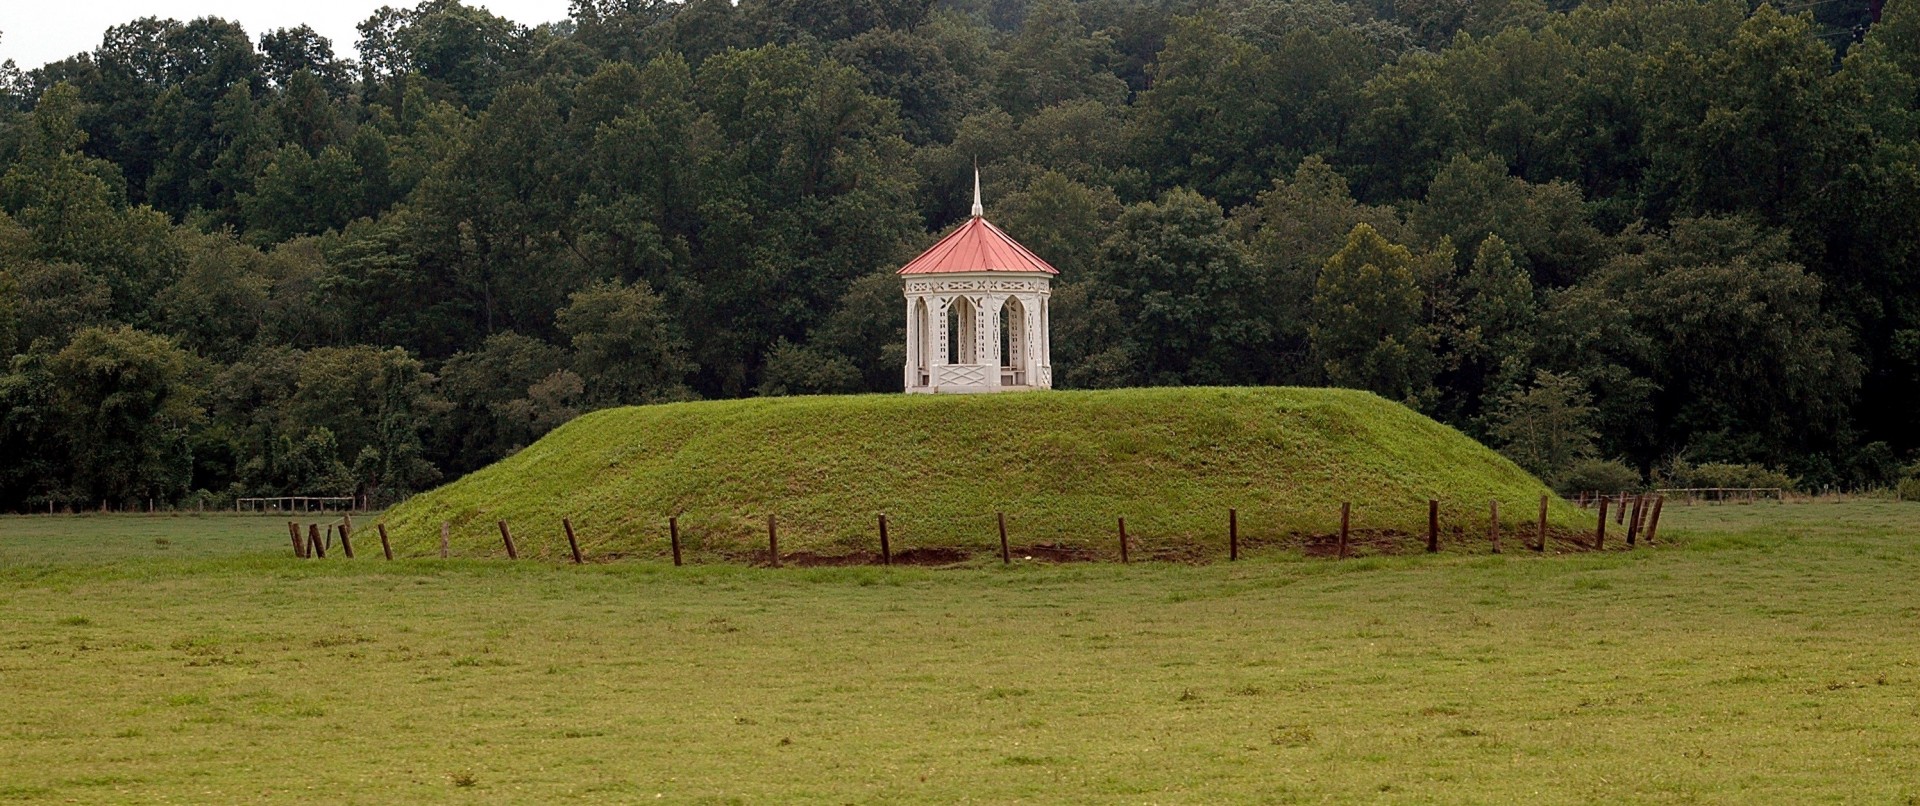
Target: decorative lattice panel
[{"x": 962, "y": 375}]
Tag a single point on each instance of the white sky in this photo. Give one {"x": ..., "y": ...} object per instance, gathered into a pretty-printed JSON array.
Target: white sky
[{"x": 34, "y": 32}]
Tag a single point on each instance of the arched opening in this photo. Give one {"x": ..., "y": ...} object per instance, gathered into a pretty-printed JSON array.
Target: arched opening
[
  {"x": 1013, "y": 343},
  {"x": 922, "y": 342},
  {"x": 961, "y": 344}
]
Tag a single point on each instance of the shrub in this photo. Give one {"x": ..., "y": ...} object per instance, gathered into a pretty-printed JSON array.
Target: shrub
[
  {"x": 1599, "y": 475},
  {"x": 1682, "y": 473},
  {"x": 1910, "y": 489}
]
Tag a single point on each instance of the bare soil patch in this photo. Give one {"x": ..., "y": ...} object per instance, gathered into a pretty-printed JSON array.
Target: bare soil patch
[{"x": 1055, "y": 553}]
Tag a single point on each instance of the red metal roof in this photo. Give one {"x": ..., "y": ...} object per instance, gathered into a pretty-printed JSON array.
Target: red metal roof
[{"x": 977, "y": 246}]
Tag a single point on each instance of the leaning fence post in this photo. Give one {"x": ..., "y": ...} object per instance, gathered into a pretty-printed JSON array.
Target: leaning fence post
[
  {"x": 1543, "y": 525},
  {"x": 572, "y": 544},
  {"x": 346, "y": 541},
  {"x": 1633, "y": 520},
  {"x": 507, "y": 538},
  {"x": 886, "y": 548},
  {"x": 314, "y": 546},
  {"x": 673, "y": 534},
  {"x": 773, "y": 541},
  {"x": 299, "y": 547},
  {"x": 1493, "y": 524},
  {"x": 1620, "y": 515},
  {"x": 1233, "y": 534},
  {"x": 1653, "y": 521},
  {"x": 385, "y": 547},
  {"x": 1346, "y": 510},
  {"x": 1006, "y": 554},
  {"x": 1123, "y": 540},
  {"x": 1600, "y": 531},
  {"x": 1433, "y": 525}
]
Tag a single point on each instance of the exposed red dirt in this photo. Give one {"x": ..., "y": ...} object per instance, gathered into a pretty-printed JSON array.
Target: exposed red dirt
[
  {"x": 916, "y": 556},
  {"x": 808, "y": 559},
  {"x": 933, "y": 556},
  {"x": 1049, "y": 552},
  {"x": 1372, "y": 542}
]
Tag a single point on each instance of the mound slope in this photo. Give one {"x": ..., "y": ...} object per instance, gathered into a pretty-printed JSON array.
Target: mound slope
[{"x": 1061, "y": 465}]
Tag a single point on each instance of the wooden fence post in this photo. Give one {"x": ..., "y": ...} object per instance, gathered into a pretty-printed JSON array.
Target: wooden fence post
[
  {"x": 444, "y": 548},
  {"x": 1493, "y": 524},
  {"x": 1633, "y": 521},
  {"x": 314, "y": 546},
  {"x": 1123, "y": 540},
  {"x": 1233, "y": 534},
  {"x": 773, "y": 541},
  {"x": 1346, "y": 511},
  {"x": 1543, "y": 525},
  {"x": 1653, "y": 521},
  {"x": 507, "y": 538},
  {"x": 1620, "y": 515},
  {"x": 385, "y": 547},
  {"x": 1433, "y": 525},
  {"x": 673, "y": 533},
  {"x": 1600, "y": 532},
  {"x": 886, "y": 548},
  {"x": 346, "y": 539},
  {"x": 1006, "y": 554},
  {"x": 572, "y": 544},
  {"x": 299, "y": 546}
]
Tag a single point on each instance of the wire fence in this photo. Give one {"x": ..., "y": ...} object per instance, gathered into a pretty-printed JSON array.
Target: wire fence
[{"x": 1639, "y": 515}]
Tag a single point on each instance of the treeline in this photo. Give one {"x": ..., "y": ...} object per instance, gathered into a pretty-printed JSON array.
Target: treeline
[{"x": 1623, "y": 240}]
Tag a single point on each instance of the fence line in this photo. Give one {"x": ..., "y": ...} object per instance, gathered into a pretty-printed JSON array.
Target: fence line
[
  {"x": 1645, "y": 520},
  {"x": 297, "y": 503}
]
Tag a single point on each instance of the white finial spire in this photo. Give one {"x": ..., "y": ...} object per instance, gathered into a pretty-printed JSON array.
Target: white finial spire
[{"x": 978, "y": 211}]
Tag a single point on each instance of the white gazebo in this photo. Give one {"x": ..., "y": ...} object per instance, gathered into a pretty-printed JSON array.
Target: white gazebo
[{"x": 977, "y": 312}]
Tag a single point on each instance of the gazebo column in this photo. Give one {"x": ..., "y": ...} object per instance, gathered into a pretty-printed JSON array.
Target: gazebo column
[
  {"x": 943, "y": 336},
  {"x": 913, "y": 344},
  {"x": 1030, "y": 358},
  {"x": 988, "y": 354},
  {"x": 1046, "y": 339}
]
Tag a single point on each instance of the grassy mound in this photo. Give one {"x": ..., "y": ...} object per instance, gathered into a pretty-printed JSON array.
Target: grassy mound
[{"x": 1061, "y": 465}]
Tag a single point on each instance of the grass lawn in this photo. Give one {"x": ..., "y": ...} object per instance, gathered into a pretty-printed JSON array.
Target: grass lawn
[{"x": 1763, "y": 653}]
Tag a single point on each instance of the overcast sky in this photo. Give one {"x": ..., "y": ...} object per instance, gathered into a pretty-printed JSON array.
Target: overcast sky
[{"x": 34, "y": 32}]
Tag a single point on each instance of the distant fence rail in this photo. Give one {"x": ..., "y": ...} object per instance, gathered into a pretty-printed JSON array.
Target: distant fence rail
[
  {"x": 295, "y": 503},
  {"x": 1739, "y": 494}
]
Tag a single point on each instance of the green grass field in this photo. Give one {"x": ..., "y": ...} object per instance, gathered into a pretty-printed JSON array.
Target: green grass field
[
  {"x": 1063, "y": 466},
  {"x": 1763, "y": 654}
]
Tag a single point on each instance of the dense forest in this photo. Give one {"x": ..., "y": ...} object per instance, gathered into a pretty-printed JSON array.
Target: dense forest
[{"x": 1638, "y": 241}]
